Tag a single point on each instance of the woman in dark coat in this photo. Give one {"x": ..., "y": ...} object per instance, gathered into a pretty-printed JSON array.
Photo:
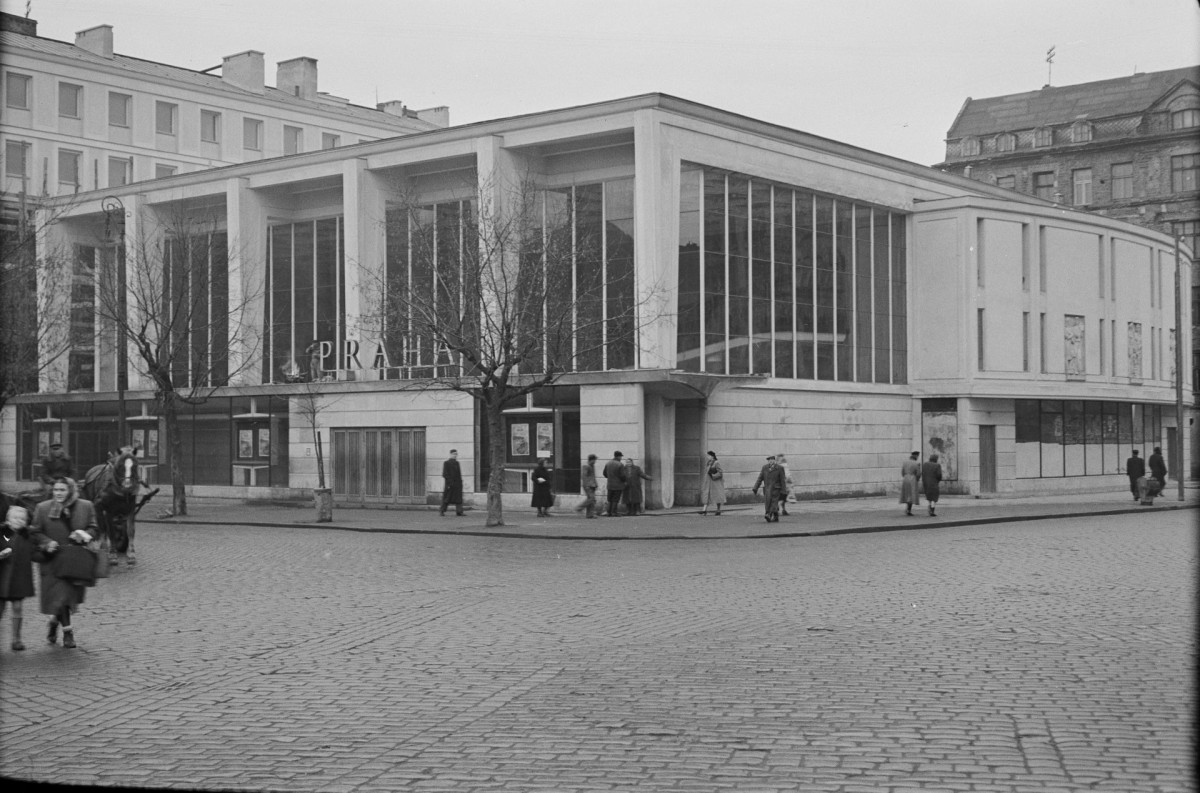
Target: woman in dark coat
[
  {"x": 543, "y": 495},
  {"x": 16, "y": 568},
  {"x": 931, "y": 477},
  {"x": 64, "y": 519}
]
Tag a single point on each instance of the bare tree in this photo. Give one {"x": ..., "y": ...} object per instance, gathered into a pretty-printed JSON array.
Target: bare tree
[
  {"x": 166, "y": 293},
  {"x": 501, "y": 295},
  {"x": 309, "y": 404}
]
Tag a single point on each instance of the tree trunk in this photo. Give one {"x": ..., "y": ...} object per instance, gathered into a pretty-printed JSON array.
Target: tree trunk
[
  {"x": 175, "y": 445},
  {"x": 497, "y": 443}
]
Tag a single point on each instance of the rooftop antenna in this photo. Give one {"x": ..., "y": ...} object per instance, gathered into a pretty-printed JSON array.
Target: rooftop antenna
[
  {"x": 1049, "y": 63},
  {"x": 28, "y": 5}
]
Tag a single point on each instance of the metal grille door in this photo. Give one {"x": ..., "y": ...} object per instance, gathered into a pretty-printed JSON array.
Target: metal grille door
[{"x": 379, "y": 464}]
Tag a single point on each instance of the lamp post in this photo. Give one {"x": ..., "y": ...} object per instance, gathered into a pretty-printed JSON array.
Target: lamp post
[
  {"x": 112, "y": 206},
  {"x": 1180, "y": 440}
]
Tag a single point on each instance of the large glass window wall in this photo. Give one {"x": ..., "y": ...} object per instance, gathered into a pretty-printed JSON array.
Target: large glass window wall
[
  {"x": 575, "y": 290},
  {"x": 777, "y": 280},
  {"x": 1083, "y": 437},
  {"x": 305, "y": 291}
]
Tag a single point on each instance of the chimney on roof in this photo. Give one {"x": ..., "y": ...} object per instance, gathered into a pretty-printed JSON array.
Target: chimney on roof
[
  {"x": 440, "y": 116},
  {"x": 298, "y": 77},
  {"x": 11, "y": 23},
  {"x": 244, "y": 70},
  {"x": 97, "y": 40},
  {"x": 392, "y": 107}
]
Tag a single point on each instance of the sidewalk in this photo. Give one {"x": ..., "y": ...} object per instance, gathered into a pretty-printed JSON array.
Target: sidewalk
[{"x": 742, "y": 521}]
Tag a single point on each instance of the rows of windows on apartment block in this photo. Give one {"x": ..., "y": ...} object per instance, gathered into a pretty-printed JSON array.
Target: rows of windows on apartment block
[
  {"x": 1185, "y": 178},
  {"x": 19, "y": 96}
]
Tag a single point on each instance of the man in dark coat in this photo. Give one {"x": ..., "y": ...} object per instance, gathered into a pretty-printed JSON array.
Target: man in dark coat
[
  {"x": 1158, "y": 467},
  {"x": 771, "y": 480},
  {"x": 1135, "y": 467},
  {"x": 615, "y": 474},
  {"x": 55, "y": 465},
  {"x": 931, "y": 478},
  {"x": 452, "y": 484}
]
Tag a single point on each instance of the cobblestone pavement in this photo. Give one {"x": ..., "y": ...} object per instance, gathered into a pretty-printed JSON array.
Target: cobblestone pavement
[{"x": 1029, "y": 656}]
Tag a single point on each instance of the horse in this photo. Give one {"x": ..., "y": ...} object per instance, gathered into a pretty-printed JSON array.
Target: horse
[{"x": 114, "y": 489}]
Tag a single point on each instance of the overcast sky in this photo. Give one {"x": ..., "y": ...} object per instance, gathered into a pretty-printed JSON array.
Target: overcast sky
[{"x": 886, "y": 75}]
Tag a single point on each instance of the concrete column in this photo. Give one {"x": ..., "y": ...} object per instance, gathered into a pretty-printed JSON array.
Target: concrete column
[
  {"x": 135, "y": 229},
  {"x": 246, "y": 220},
  {"x": 56, "y": 257},
  {"x": 656, "y": 241},
  {"x": 365, "y": 247},
  {"x": 659, "y": 457}
]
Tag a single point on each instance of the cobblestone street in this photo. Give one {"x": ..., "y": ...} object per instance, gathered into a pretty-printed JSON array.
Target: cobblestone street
[{"x": 1054, "y": 655}]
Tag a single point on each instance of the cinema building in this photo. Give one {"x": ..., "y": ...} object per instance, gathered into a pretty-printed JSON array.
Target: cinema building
[{"x": 811, "y": 298}]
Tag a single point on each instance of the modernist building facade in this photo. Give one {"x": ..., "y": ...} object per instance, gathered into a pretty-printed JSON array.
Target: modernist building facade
[
  {"x": 793, "y": 294},
  {"x": 1127, "y": 148}
]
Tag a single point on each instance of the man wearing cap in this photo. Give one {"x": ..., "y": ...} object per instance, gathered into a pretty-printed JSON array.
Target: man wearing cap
[
  {"x": 615, "y": 474},
  {"x": 55, "y": 465},
  {"x": 588, "y": 481},
  {"x": 452, "y": 484},
  {"x": 774, "y": 486}
]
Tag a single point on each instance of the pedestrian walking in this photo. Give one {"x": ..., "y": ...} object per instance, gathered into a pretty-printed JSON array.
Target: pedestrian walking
[
  {"x": 543, "y": 487},
  {"x": 587, "y": 480},
  {"x": 931, "y": 477},
  {"x": 615, "y": 477},
  {"x": 1135, "y": 468},
  {"x": 781, "y": 458},
  {"x": 770, "y": 479},
  {"x": 452, "y": 485},
  {"x": 1158, "y": 467},
  {"x": 712, "y": 484},
  {"x": 633, "y": 487},
  {"x": 909, "y": 472},
  {"x": 16, "y": 568},
  {"x": 62, "y": 520}
]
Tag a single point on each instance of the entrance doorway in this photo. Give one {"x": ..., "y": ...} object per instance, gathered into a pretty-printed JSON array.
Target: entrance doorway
[{"x": 987, "y": 458}]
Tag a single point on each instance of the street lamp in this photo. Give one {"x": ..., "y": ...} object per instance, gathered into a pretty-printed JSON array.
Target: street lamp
[{"x": 112, "y": 207}]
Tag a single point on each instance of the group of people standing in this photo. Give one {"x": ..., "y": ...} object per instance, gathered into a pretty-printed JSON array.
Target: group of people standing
[
  {"x": 62, "y": 521},
  {"x": 623, "y": 478}
]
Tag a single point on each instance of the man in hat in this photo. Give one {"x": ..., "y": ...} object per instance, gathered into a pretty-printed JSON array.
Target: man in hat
[
  {"x": 771, "y": 480},
  {"x": 588, "y": 480},
  {"x": 55, "y": 465},
  {"x": 615, "y": 476},
  {"x": 1135, "y": 467},
  {"x": 452, "y": 484}
]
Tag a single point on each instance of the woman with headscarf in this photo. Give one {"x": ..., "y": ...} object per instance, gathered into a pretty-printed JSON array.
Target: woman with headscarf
[
  {"x": 63, "y": 520},
  {"x": 712, "y": 484}
]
